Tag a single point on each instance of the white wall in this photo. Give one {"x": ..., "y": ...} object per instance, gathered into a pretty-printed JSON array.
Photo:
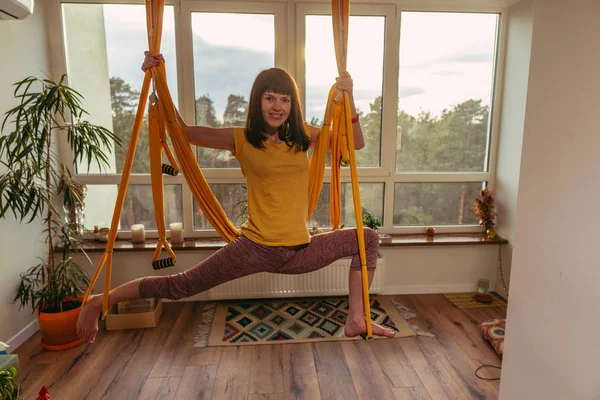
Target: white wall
[
  {"x": 25, "y": 52},
  {"x": 514, "y": 96},
  {"x": 551, "y": 348}
]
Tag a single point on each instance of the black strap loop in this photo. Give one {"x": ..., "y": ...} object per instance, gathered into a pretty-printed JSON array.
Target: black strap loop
[
  {"x": 163, "y": 263},
  {"x": 169, "y": 170}
]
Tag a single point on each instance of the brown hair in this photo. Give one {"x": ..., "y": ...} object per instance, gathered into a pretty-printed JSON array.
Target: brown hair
[{"x": 292, "y": 132}]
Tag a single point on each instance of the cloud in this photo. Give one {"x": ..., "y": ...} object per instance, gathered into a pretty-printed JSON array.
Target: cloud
[
  {"x": 447, "y": 72},
  {"x": 409, "y": 91},
  {"x": 470, "y": 56},
  {"x": 483, "y": 57},
  {"x": 223, "y": 70}
]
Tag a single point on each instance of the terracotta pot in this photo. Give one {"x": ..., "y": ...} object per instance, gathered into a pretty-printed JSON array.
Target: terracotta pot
[{"x": 59, "y": 330}]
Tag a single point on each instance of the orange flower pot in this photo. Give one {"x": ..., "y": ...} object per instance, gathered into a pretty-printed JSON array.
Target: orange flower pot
[{"x": 59, "y": 330}]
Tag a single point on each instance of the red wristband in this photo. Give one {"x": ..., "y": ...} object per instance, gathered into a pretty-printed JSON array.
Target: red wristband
[{"x": 355, "y": 119}]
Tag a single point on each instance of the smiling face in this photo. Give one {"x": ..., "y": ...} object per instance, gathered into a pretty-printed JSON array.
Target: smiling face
[
  {"x": 275, "y": 110},
  {"x": 274, "y": 107}
]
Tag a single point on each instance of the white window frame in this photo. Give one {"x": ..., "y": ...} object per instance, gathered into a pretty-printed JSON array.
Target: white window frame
[
  {"x": 289, "y": 54},
  {"x": 386, "y": 173}
]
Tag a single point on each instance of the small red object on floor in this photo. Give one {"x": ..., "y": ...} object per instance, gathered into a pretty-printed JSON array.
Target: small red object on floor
[
  {"x": 43, "y": 394},
  {"x": 483, "y": 298}
]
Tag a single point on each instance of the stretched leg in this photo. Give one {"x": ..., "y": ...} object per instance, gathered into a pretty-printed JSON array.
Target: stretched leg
[
  {"x": 329, "y": 247},
  {"x": 239, "y": 258}
]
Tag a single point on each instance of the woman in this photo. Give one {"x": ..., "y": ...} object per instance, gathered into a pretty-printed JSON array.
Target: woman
[{"x": 272, "y": 152}]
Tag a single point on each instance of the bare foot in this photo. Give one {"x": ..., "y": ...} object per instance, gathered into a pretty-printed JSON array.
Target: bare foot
[
  {"x": 87, "y": 323},
  {"x": 357, "y": 326}
]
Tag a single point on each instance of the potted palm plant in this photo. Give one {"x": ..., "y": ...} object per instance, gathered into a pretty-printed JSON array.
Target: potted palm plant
[{"x": 34, "y": 181}]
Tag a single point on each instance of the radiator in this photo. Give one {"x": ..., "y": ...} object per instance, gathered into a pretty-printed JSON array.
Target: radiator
[{"x": 331, "y": 280}]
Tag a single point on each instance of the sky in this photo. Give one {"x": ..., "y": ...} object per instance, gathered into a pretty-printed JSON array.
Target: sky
[{"x": 445, "y": 58}]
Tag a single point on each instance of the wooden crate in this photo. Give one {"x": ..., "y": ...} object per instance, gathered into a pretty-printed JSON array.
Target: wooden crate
[{"x": 115, "y": 321}]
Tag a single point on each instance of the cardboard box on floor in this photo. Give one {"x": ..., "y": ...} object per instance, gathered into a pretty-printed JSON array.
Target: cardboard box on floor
[{"x": 115, "y": 321}]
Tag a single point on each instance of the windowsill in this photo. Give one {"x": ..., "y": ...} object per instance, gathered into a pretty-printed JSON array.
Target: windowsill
[{"x": 448, "y": 239}]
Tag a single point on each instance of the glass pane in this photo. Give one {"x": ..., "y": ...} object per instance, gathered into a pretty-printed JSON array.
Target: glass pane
[
  {"x": 229, "y": 51},
  {"x": 444, "y": 203},
  {"x": 371, "y": 199},
  {"x": 365, "y": 64},
  {"x": 445, "y": 91},
  {"x": 232, "y": 198},
  {"x": 138, "y": 207},
  {"x": 105, "y": 46}
]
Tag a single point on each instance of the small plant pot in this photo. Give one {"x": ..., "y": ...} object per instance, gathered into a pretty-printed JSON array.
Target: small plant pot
[{"x": 59, "y": 330}]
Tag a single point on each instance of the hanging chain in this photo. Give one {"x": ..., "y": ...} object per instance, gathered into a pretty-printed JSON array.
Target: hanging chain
[
  {"x": 501, "y": 270},
  {"x": 341, "y": 45},
  {"x": 153, "y": 98}
]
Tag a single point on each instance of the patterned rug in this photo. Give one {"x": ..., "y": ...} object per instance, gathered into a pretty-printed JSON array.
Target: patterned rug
[
  {"x": 266, "y": 321},
  {"x": 466, "y": 300}
]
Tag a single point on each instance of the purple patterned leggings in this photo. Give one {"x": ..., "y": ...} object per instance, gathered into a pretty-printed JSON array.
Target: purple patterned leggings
[{"x": 244, "y": 257}]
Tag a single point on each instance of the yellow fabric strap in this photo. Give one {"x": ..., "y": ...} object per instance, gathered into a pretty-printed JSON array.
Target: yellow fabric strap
[
  {"x": 156, "y": 11},
  {"x": 343, "y": 149},
  {"x": 156, "y": 131}
]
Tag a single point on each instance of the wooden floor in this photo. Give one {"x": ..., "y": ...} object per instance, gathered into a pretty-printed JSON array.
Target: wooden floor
[{"x": 161, "y": 363}]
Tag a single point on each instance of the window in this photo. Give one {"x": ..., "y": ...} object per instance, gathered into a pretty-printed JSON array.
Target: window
[
  {"x": 230, "y": 49},
  {"x": 444, "y": 98},
  {"x": 434, "y": 203},
  {"x": 445, "y": 91},
  {"x": 105, "y": 46},
  {"x": 371, "y": 198},
  {"x": 365, "y": 64},
  {"x": 138, "y": 207},
  {"x": 424, "y": 84},
  {"x": 232, "y": 198}
]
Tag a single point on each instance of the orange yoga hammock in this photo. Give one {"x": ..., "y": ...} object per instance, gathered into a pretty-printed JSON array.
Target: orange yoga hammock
[{"x": 334, "y": 136}]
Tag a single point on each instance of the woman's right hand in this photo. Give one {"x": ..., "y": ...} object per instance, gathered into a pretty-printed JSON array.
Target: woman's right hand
[{"x": 151, "y": 60}]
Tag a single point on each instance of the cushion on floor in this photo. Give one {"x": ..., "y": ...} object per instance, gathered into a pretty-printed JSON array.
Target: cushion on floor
[{"x": 493, "y": 332}]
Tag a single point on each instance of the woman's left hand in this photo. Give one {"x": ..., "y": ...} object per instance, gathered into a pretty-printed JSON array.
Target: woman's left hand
[{"x": 345, "y": 83}]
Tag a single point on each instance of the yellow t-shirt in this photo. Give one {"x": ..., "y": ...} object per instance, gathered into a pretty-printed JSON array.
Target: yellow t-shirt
[{"x": 277, "y": 182}]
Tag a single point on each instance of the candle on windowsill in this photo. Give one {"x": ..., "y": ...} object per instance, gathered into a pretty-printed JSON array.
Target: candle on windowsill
[
  {"x": 176, "y": 232},
  {"x": 138, "y": 235}
]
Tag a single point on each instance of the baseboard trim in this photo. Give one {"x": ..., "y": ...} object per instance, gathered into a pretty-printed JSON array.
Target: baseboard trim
[
  {"x": 501, "y": 292},
  {"x": 23, "y": 335},
  {"x": 428, "y": 289},
  {"x": 388, "y": 289}
]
